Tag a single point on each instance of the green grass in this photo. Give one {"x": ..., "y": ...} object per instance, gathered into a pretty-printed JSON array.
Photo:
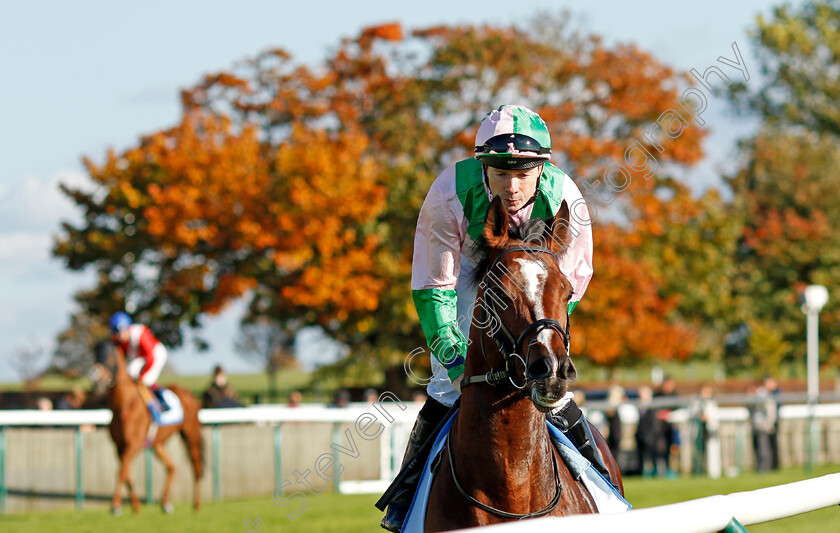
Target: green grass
[
  {"x": 332, "y": 513},
  {"x": 246, "y": 385},
  {"x": 326, "y": 513},
  {"x": 49, "y": 383}
]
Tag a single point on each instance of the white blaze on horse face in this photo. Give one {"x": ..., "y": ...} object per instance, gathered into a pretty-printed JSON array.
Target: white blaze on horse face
[{"x": 535, "y": 275}]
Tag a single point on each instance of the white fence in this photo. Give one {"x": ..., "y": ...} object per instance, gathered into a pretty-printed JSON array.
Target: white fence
[
  {"x": 705, "y": 515},
  {"x": 386, "y": 423},
  {"x": 378, "y": 431},
  {"x": 730, "y": 449}
]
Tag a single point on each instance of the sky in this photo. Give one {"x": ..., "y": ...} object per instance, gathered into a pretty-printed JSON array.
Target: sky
[{"x": 82, "y": 77}]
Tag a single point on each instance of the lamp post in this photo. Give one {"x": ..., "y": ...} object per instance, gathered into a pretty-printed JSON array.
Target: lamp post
[{"x": 815, "y": 296}]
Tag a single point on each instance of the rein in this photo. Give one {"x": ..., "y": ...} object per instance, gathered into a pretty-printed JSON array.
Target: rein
[{"x": 498, "y": 512}]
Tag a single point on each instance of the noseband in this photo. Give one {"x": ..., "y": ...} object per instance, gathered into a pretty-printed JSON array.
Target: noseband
[{"x": 494, "y": 377}]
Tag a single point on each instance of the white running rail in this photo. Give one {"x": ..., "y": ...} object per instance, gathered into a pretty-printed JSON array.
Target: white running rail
[{"x": 705, "y": 515}]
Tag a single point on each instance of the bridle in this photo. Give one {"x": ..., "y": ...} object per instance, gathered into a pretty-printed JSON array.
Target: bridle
[
  {"x": 512, "y": 353},
  {"x": 495, "y": 377}
]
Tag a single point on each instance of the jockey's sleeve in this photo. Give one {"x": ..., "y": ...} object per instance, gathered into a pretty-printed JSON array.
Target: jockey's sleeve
[
  {"x": 434, "y": 276},
  {"x": 147, "y": 343},
  {"x": 576, "y": 262},
  {"x": 437, "y": 309}
]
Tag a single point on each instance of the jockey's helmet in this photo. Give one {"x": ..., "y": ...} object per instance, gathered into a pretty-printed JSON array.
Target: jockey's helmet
[
  {"x": 512, "y": 137},
  {"x": 119, "y": 321}
]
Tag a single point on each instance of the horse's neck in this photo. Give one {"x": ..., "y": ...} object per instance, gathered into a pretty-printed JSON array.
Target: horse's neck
[
  {"x": 504, "y": 433},
  {"x": 121, "y": 376},
  {"x": 124, "y": 391}
]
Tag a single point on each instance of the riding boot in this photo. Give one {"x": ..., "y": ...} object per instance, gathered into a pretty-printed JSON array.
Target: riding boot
[
  {"x": 570, "y": 420},
  {"x": 398, "y": 508},
  {"x": 159, "y": 395}
]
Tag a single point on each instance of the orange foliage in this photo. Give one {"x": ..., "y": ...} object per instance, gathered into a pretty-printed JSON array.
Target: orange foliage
[
  {"x": 623, "y": 317},
  {"x": 387, "y": 32},
  {"x": 298, "y": 205},
  {"x": 306, "y": 183}
]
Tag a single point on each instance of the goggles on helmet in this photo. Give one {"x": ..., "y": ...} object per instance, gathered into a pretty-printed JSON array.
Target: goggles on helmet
[{"x": 512, "y": 145}]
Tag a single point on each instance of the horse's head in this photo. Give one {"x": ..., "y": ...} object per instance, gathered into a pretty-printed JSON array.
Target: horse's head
[
  {"x": 105, "y": 365},
  {"x": 524, "y": 299}
]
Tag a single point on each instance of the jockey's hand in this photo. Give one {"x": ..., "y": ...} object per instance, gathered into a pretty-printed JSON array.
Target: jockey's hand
[{"x": 457, "y": 383}]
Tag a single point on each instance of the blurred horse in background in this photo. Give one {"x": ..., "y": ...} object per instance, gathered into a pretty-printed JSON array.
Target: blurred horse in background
[{"x": 131, "y": 423}]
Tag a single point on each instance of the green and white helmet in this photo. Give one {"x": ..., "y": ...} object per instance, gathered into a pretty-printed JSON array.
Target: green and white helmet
[{"x": 512, "y": 137}]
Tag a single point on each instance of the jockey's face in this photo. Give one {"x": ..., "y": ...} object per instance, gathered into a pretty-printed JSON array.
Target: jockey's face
[
  {"x": 515, "y": 187},
  {"x": 121, "y": 336}
]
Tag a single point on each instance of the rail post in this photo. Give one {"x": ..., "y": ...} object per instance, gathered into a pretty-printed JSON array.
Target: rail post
[
  {"x": 80, "y": 491},
  {"x": 336, "y": 436},
  {"x": 278, "y": 457},
  {"x": 217, "y": 484},
  {"x": 4, "y": 491},
  {"x": 734, "y": 527}
]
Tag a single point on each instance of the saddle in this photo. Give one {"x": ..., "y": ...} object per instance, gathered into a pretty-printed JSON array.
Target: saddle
[{"x": 164, "y": 406}]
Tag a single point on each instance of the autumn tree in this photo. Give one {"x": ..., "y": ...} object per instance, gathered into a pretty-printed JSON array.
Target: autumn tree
[
  {"x": 269, "y": 344},
  {"x": 798, "y": 51},
  {"x": 74, "y": 352},
  {"x": 29, "y": 361},
  {"x": 786, "y": 186},
  {"x": 787, "y": 191},
  {"x": 195, "y": 216},
  {"x": 298, "y": 187}
]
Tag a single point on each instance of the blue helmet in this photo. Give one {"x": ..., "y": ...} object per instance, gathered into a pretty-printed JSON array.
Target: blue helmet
[{"x": 119, "y": 321}]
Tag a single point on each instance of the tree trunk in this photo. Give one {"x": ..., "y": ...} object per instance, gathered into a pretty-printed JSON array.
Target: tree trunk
[
  {"x": 396, "y": 382},
  {"x": 272, "y": 385}
]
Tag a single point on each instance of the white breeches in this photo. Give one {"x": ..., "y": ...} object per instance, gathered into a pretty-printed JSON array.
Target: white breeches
[{"x": 136, "y": 365}]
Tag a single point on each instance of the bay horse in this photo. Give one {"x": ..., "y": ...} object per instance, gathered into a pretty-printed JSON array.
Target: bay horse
[
  {"x": 130, "y": 425},
  {"x": 499, "y": 463}
]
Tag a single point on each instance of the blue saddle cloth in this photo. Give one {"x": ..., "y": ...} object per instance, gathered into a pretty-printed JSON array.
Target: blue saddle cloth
[
  {"x": 173, "y": 415},
  {"x": 607, "y": 498}
]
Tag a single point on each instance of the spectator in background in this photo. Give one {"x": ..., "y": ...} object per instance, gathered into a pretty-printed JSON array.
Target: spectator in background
[
  {"x": 670, "y": 446},
  {"x": 219, "y": 393},
  {"x": 72, "y": 400},
  {"x": 763, "y": 420},
  {"x": 580, "y": 397},
  {"x": 75, "y": 399},
  {"x": 44, "y": 404},
  {"x": 371, "y": 396},
  {"x": 704, "y": 413},
  {"x": 774, "y": 392},
  {"x": 594, "y": 416},
  {"x": 648, "y": 433},
  {"x": 615, "y": 397},
  {"x": 295, "y": 399},
  {"x": 341, "y": 398}
]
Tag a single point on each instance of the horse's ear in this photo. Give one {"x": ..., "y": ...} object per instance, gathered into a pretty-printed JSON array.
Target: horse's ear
[
  {"x": 496, "y": 224},
  {"x": 559, "y": 234}
]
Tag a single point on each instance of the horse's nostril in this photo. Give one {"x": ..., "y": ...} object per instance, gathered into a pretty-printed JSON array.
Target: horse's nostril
[
  {"x": 540, "y": 369},
  {"x": 567, "y": 370}
]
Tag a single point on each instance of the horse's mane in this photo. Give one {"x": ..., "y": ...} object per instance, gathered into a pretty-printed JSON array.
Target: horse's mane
[{"x": 530, "y": 231}]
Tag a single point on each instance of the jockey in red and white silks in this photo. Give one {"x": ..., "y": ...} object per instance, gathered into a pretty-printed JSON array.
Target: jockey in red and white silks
[{"x": 145, "y": 355}]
